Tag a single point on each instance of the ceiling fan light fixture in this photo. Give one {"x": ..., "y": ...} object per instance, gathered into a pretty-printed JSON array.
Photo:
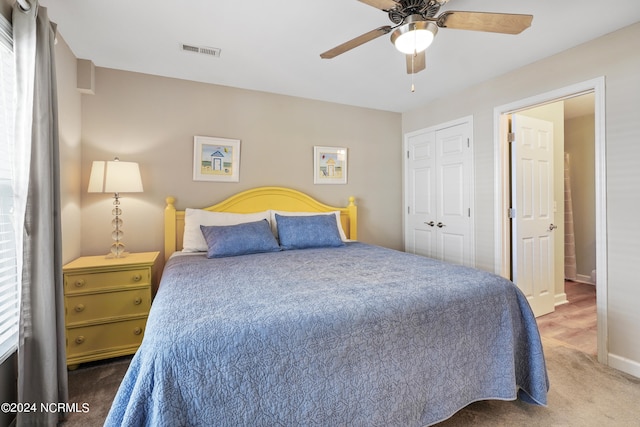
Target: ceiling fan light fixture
[{"x": 414, "y": 37}]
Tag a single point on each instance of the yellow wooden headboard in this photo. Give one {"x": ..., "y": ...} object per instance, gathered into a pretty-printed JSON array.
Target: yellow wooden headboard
[{"x": 257, "y": 200}]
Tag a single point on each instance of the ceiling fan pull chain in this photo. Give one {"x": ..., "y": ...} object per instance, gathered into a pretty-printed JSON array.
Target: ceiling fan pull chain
[{"x": 413, "y": 59}]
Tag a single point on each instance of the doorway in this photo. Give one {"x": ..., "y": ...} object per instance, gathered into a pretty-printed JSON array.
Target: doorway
[{"x": 503, "y": 245}]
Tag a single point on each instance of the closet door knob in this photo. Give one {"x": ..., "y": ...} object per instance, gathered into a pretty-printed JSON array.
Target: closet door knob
[
  {"x": 552, "y": 227},
  {"x": 430, "y": 223},
  {"x": 440, "y": 225}
]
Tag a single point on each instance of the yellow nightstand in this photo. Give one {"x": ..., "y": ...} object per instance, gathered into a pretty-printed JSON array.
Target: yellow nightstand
[{"x": 106, "y": 304}]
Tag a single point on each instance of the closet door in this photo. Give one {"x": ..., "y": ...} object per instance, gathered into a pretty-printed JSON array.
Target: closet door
[
  {"x": 420, "y": 193},
  {"x": 453, "y": 219},
  {"x": 438, "y": 196}
]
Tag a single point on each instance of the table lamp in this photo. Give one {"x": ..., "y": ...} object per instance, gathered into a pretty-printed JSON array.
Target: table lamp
[{"x": 115, "y": 177}]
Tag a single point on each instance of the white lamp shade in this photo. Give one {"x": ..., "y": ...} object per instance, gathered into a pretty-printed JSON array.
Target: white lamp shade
[
  {"x": 414, "y": 36},
  {"x": 115, "y": 177}
]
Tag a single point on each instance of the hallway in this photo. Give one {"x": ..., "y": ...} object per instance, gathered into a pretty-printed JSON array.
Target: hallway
[{"x": 574, "y": 323}]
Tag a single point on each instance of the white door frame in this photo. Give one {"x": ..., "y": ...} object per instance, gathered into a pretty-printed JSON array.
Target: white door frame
[{"x": 502, "y": 202}]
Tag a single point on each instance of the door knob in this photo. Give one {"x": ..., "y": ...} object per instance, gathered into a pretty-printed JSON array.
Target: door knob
[
  {"x": 430, "y": 223},
  {"x": 440, "y": 225},
  {"x": 552, "y": 227}
]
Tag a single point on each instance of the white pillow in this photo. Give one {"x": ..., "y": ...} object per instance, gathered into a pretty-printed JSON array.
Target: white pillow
[
  {"x": 274, "y": 225},
  {"x": 193, "y": 239}
]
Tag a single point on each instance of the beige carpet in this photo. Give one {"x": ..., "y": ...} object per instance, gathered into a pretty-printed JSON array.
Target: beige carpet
[
  {"x": 96, "y": 384},
  {"x": 583, "y": 393}
]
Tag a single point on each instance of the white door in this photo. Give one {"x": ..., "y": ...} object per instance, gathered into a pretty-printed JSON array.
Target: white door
[
  {"x": 533, "y": 219},
  {"x": 438, "y": 194},
  {"x": 420, "y": 193},
  {"x": 453, "y": 219}
]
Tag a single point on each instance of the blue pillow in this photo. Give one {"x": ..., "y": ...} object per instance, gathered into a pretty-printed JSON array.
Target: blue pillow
[
  {"x": 314, "y": 231},
  {"x": 241, "y": 239}
]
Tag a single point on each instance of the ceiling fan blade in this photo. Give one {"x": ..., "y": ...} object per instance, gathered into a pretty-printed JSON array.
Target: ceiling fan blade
[
  {"x": 506, "y": 23},
  {"x": 373, "y": 34},
  {"x": 381, "y": 4},
  {"x": 416, "y": 62}
]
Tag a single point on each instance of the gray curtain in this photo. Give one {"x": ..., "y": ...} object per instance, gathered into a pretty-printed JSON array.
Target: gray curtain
[{"x": 42, "y": 374}]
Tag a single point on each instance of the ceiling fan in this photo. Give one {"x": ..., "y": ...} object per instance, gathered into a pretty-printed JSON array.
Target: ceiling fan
[{"x": 416, "y": 25}]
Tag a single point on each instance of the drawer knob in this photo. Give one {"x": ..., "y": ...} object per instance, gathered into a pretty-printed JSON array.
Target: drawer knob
[
  {"x": 80, "y": 339},
  {"x": 137, "y": 301},
  {"x": 137, "y": 331},
  {"x": 79, "y": 308},
  {"x": 137, "y": 278},
  {"x": 79, "y": 283}
]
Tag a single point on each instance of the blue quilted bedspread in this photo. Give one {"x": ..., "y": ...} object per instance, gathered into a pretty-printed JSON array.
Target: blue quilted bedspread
[{"x": 352, "y": 336}]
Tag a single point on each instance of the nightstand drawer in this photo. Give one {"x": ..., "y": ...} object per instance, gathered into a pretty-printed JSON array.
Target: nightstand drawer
[
  {"x": 112, "y": 305},
  {"x": 114, "y": 336},
  {"x": 88, "y": 282}
]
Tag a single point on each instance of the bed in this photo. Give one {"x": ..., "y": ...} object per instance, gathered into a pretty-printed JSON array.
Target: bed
[{"x": 349, "y": 334}]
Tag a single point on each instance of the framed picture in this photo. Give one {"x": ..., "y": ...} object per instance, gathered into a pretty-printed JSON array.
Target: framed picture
[
  {"x": 329, "y": 165},
  {"x": 216, "y": 159}
]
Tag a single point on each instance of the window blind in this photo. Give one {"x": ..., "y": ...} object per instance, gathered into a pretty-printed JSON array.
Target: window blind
[{"x": 9, "y": 310}]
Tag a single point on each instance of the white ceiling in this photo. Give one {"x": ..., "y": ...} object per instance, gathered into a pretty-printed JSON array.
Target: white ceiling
[{"x": 274, "y": 46}]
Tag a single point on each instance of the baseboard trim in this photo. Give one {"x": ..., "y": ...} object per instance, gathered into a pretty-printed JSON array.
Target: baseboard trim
[
  {"x": 625, "y": 365},
  {"x": 583, "y": 278},
  {"x": 561, "y": 299}
]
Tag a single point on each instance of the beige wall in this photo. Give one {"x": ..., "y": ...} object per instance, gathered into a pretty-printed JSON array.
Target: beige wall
[
  {"x": 5, "y": 8},
  {"x": 617, "y": 57},
  {"x": 580, "y": 143},
  {"x": 152, "y": 120},
  {"x": 69, "y": 120}
]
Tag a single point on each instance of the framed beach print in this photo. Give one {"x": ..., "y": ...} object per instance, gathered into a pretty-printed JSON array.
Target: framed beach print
[
  {"x": 216, "y": 159},
  {"x": 329, "y": 165}
]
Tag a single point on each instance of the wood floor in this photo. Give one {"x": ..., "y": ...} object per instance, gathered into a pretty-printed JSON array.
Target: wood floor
[{"x": 574, "y": 323}]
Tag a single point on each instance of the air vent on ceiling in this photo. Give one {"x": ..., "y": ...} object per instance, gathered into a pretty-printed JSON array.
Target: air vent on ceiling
[{"x": 211, "y": 51}]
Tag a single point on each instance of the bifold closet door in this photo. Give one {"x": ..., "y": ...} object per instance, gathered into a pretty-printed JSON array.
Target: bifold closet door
[
  {"x": 438, "y": 194},
  {"x": 453, "y": 217},
  {"x": 420, "y": 234}
]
